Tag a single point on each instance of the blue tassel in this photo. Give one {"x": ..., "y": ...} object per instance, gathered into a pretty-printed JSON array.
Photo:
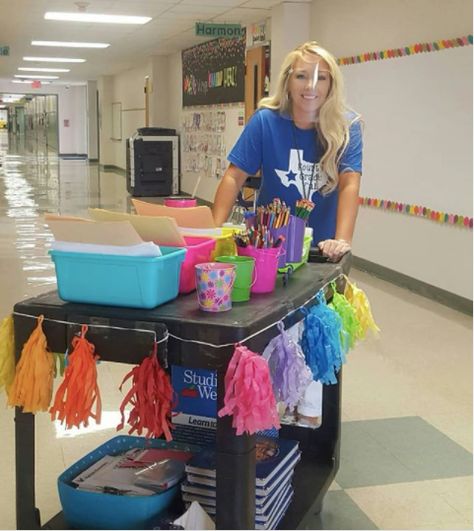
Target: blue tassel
[{"x": 321, "y": 341}]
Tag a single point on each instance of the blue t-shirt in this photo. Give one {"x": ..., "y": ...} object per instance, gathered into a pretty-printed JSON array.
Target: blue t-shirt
[{"x": 273, "y": 143}]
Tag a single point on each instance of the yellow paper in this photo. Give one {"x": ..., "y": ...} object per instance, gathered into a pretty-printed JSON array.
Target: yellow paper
[{"x": 161, "y": 230}]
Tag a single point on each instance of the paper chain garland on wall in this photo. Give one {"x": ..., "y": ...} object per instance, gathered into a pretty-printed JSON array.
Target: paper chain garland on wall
[
  {"x": 330, "y": 330},
  {"x": 406, "y": 50},
  {"x": 419, "y": 211}
]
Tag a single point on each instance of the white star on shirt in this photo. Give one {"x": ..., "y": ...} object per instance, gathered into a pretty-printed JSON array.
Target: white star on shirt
[{"x": 287, "y": 177}]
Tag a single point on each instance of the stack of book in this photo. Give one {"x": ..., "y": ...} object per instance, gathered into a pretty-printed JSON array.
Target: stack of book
[{"x": 276, "y": 461}]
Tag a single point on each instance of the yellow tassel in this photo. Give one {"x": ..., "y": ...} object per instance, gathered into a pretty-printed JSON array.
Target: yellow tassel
[
  {"x": 7, "y": 353},
  {"x": 32, "y": 386},
  {"x": 361, "y": 305}
]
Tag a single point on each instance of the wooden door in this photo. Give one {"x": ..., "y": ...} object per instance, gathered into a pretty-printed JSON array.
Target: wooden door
[{"x": 254, "y": 79}]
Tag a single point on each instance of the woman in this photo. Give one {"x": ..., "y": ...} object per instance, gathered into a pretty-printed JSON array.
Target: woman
[{"x": 307, "y": 144}]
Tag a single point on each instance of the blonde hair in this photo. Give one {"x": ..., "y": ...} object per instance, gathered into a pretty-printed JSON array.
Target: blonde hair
[{"x": 332, "y": 124}]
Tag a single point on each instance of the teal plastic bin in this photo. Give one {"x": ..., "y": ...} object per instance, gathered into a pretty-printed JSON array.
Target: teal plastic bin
[
  {"x": 96, "y": 510},
  {"x": 116, "y": 280}
]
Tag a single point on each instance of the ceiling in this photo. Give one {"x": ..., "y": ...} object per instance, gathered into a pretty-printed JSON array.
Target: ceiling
[{"x": 170, "y": 30}]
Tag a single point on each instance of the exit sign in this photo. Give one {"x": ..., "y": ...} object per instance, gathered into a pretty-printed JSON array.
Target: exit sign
[
  {"x": 4, "y": 50},
  {"x": 226, "y": 31}
]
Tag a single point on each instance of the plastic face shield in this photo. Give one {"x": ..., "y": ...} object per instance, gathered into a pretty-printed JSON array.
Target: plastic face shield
[{"x": 305, "y": 77}]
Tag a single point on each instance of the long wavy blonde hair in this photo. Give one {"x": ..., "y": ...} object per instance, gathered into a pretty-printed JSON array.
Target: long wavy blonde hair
[{"x": 332, "y": 123}]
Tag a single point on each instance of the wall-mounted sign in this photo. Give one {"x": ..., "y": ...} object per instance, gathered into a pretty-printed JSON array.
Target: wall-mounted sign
[
  {"x": 224, "y": 31},
  {"x": 36, "y": 84},
  {"x": 4, "y": 50},
  {"x": 256, "y": 34},
  {"x": 213, "y": 72}
]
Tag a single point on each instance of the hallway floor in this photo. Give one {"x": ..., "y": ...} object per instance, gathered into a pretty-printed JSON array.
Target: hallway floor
[{"x": 407, "y": 395}]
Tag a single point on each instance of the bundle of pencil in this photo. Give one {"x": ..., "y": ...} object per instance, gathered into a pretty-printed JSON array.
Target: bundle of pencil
[{"x": 304, "y": 207}]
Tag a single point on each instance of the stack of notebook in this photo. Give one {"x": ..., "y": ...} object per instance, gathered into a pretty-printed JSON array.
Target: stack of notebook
[{"x": 276, "y": 461}]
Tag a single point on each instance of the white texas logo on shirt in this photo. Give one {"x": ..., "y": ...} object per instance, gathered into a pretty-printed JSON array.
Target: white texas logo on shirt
[{"x": 292, "y": 177}]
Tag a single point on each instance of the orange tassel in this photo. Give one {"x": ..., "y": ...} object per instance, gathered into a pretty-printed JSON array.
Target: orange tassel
[
  {"x": 7, "y": 353},
  {"x": 151, "y": 396},
  {"x": 79, "y": 390},
  {"x": 32, "y": 387}
]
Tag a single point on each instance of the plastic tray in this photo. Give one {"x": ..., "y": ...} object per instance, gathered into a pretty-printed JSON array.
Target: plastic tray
[
  {"x": 96, "y": 510},
  {"x": 116, "y": 280}
]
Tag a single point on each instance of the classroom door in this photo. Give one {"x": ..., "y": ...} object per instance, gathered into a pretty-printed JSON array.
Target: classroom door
[{"x": 255, "y": 71}]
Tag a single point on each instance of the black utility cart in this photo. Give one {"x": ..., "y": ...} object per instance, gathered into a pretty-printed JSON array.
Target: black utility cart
[{"x": 235, "y": 455}]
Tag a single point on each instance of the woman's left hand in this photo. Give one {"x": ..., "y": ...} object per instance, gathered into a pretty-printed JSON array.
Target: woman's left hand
[{"x": 334, "y": 249}]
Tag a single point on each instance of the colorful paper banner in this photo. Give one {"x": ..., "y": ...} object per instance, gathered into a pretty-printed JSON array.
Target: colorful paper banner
[
  {"x": 417, "y": 210},
  {"x": 407, "y": 50}
]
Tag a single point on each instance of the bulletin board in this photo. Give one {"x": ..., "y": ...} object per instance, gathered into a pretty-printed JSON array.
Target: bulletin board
[
  {"x": 207, "y": 135},
  {"x": 417, "y": 113},
  {"x": 214, "y": 72}
]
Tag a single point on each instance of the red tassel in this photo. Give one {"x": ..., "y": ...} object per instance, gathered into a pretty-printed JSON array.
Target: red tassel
[
  {"x": 78, "y": 391},
  {"x": 151, "y": 396}
]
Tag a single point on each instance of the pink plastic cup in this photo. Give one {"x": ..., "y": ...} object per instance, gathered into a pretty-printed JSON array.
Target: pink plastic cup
[
  {"x": 266, "y": 267},
  {"x": 178, "y": 201}
]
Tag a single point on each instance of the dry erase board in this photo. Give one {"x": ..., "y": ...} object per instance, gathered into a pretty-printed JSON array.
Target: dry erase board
[{"x": 418, "y": 127}]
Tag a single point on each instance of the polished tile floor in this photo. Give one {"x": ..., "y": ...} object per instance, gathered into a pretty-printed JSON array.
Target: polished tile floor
[{"x": 406, "y": 457}]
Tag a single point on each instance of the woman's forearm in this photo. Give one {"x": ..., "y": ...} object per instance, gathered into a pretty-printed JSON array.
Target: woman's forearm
[
  {"x": 226, "y": 193},
  {"x": 348, "y": 205}
]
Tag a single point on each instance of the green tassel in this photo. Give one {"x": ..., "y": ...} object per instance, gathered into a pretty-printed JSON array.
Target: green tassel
[{"x": 350, "y": 323}]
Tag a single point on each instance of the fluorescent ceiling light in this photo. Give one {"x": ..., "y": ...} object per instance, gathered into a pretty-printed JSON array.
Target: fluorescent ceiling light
[
  {"x": 54, "y": 59},
  {"x": 29, "y": 81},
  {"x": 71, "y": 44},
  {"x": 32, "y": 76},
  {"x": 32, "y": 69},
  {"x": 94, "y": 17}
]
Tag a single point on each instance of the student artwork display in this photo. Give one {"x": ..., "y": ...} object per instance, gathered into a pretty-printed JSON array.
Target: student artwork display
[
  {"x": 214, "y": 72},
  {"x": 283, "y": 374},
  {"x": 407, "y": 50},
  {"x": 416, "y": 210},
  {"x": 203, "y": 143}
]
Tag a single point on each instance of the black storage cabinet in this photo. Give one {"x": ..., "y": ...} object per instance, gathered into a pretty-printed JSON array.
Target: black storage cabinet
[
  {"x": 235, "y": 473},
  {"x": 153, "y": 162}
]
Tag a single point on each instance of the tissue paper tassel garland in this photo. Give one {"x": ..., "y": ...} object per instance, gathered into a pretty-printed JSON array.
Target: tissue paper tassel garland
[
  {"x": 78, "y": 392},
  {"x": 289, "y": 372},
  {"x": 32, "y": 386},
  {"x": 151, "y": 396},
  {"x": 350, "y": 323},
  {"x": 249, "y": 395},
  {"x": 7, "y": 353},
  {"x": 321, "y": 341},
  {"x": 358, "y": 300}
]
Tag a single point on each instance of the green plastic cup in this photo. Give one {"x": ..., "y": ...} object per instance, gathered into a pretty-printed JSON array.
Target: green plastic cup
[{"x": 244, "y": 268}]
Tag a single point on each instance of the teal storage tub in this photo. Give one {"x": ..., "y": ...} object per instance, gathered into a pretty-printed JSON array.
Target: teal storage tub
[
  {"x": 96, "y": 510},
  {"x": 119, "y": 280}
]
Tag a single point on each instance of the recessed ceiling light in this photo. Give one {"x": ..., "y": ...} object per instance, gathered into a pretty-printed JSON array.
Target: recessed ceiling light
[
  {"x": 33, "y": 76},
  {"x": 94, "y": 17},
  {"x": 29, "y": 81},
  {"x": 54, "y": 60},
  {"x": 71, "y": 44},
  {"x": 32, "y": 69}
]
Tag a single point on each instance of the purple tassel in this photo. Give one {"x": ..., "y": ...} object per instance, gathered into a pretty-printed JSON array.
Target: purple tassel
[{"x": 290, "y": 374}]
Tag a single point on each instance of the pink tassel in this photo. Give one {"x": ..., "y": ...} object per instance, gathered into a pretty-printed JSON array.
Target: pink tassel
[{"x": 249, "y": 394}]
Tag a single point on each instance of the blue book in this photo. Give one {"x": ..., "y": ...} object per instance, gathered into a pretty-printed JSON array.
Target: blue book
[
  {"x": 208, "y": 485},
  {"x": 206, "y": 495},
  {"x": 275, "y": 512},
  {"x": 273, "y": 456}
]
